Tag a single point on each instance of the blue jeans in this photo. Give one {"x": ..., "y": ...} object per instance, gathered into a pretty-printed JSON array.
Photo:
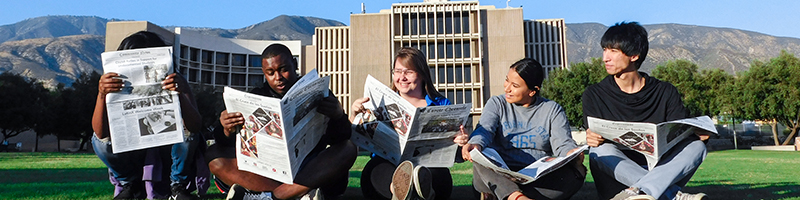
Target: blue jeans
[
  {"x": 672, "y": 172},
  {"x": 183, "y": 163},
  {"x": 126, "y": 167}
]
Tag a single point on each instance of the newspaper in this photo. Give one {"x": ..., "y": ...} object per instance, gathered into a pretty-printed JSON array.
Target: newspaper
[
  {"x": 652, "y": 140},
  {"x": 489, "y": 158},
  {"x": 395, "y": 130},
  {"x": 142, "y": 115},
  {"x": 279, "y": 133}
]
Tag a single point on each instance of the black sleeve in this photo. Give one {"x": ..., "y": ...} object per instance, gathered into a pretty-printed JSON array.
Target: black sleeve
[
  {"x": 219, "y": 136},
  {"x": 338, "y": 130}
]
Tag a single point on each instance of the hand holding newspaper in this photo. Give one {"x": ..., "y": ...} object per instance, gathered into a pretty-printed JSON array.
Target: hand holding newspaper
[
  {"x": 652, "y": 140},
  {"x": 395, "y": 130},
  {"x": 489, "y": 158},
  {"x": 142, "y": 115},
  {"x": 279, "y": 133}
]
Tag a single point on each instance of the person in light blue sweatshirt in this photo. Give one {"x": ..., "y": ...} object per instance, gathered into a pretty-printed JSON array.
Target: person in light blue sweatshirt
[{"x": 523, "y": 127}]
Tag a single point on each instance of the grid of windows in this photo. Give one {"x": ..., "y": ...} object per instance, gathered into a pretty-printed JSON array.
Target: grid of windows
[
  {"x": 333, "y": 59},
  {"x": 240, "y": 71},
  {"x": 449, "y": 35},
  {"x": 545, "y": 41}
]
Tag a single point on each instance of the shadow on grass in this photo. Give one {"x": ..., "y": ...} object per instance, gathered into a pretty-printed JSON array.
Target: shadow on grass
[
  {"x": 52, "y": 175},
  {"x": 716, "y": 190}
]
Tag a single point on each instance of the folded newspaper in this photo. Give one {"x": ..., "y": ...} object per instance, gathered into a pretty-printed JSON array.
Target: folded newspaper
[
  {"x": 142, "y": 115},
  {"x": 278, "y": 134},
  {"x": 395, "y": 130},
  {"x": 489, "y": 158},
  {"x": 652, "y": 140}
]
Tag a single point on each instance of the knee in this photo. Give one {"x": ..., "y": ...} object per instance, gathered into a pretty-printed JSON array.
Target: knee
[
  {"x": 216, "y": 166},
  {"x": 348, "y": 152}
]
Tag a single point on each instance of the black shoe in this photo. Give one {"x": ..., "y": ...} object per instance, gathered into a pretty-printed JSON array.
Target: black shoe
[
  {"x": 179, "y": 192},
  {"x": 131, "y": 191}
]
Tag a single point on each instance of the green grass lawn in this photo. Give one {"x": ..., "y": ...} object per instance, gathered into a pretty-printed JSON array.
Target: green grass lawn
[{"x": 732, "y": 174}]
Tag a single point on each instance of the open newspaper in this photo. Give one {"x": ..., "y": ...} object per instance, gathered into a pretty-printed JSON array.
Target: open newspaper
[
  {"x": 489, "y": 158},
  {"x": 652, "y": 140},
  {"x": 279, "y": 133},
  {"x": 395, "y": 130},
  {"x": 142, "y": 115}
]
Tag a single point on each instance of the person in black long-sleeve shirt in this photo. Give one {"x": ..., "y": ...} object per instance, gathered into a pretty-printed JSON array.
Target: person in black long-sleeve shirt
[{"x": 326, "y": 167}]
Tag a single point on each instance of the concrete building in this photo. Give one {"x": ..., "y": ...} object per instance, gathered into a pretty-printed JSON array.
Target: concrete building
[
  {"x": 207, "y": 60},
  {"x": 469, "y": 47}
]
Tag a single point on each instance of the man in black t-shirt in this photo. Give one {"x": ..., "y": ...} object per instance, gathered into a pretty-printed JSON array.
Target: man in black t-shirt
[
  {"x": 326, "y": 167},
  {"x": 633, "y": 96}
]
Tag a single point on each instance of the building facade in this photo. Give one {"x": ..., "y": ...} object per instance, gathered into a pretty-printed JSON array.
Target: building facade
[
  {"x": 207, "y": 60},
  {"x": 469, "y": 47}
]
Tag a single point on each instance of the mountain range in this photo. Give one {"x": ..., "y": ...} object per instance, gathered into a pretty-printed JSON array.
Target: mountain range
[{"x": 57, "y": 49}]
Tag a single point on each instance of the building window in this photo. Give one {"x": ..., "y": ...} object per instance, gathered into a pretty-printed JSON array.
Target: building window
[
  {"x": 239, "y": 60},
  {"x": 221, "y": 78},
  {"x": 207, "y": 56},
  {"x": 238, "y": 80},
  {"x": 255, "y": 61},
  {"x": 184, "y": 52},
  {"x": 206, "y": 76},
  {"x": 255, "y": 79},
  {"x": 192, "y": 75},
  {"x": 222, "y": 58},
  {"x": 193, "y": 53},
  {"x": 459, "y": 73}
]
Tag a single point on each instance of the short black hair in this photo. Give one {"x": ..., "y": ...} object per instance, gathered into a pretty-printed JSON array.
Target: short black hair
[
  {"x": 278, "y": 49},
  {"x": 141, "y": 39},
  {"x": 628, "y": 37},
  {"x": 531, "y": 71}
]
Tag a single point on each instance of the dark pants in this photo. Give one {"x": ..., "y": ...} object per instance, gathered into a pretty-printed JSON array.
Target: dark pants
[
  {"x": 559, "y": 184},
  {"x": 377, "y": 175},
  {"x": 332, "y": 190}
]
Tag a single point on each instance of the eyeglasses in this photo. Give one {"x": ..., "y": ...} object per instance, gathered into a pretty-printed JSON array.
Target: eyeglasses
[{"x": 400, "y": 72}]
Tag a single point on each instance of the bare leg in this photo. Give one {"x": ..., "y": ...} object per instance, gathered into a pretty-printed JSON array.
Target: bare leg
[{"x": 227, "y": 171}]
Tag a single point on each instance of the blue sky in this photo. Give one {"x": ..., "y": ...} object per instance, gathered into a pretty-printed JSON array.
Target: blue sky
[{"x": 773, "y": 17}]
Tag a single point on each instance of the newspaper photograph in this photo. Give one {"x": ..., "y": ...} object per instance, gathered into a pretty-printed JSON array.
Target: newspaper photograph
[
  {"x": 651, "y": 140},
  {"x": 142, "y": 115},
  {"x": 395, "y": 130},
  {"x": 278, "y": 133},
  {"x": 489, "y": 158}
]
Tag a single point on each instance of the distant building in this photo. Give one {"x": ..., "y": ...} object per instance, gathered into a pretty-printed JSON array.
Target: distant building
[
  {"x": 207, "y": 60},
  {"x": 469, "y": 49}
]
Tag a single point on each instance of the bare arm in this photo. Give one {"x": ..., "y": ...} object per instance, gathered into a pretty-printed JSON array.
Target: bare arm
[
  {"x": 108, "y": 83},
  {"x": 191, "y": 116}
]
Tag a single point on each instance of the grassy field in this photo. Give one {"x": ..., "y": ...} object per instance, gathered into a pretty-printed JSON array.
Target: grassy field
[{"x": 732, "y": 174}]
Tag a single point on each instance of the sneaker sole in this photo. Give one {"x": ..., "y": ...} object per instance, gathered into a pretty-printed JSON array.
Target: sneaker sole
[{"x": 401, "y": 181}]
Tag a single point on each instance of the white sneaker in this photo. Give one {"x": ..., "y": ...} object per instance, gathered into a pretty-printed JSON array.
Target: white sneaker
[
  {"x": 632, "y": 194},
  {"x": 238, "y": 192},
  {"x": 423, "y": 182},
  {"x": 313, "y": 194},
  {"x": 687, "y": 196},
  {"x": 402, "y": 180}
]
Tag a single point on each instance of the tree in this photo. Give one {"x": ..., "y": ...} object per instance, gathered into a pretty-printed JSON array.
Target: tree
[
  {"x": 18, "y": 103},
  {"x": 701, "y": 92},
  {"x": 209, "y": 103},
  {"x": 48, "y": 116},
  {"x": 77, "y": 103},
  {"x": 770, "y": 91},
  {"x": 566, "y": 86}
]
